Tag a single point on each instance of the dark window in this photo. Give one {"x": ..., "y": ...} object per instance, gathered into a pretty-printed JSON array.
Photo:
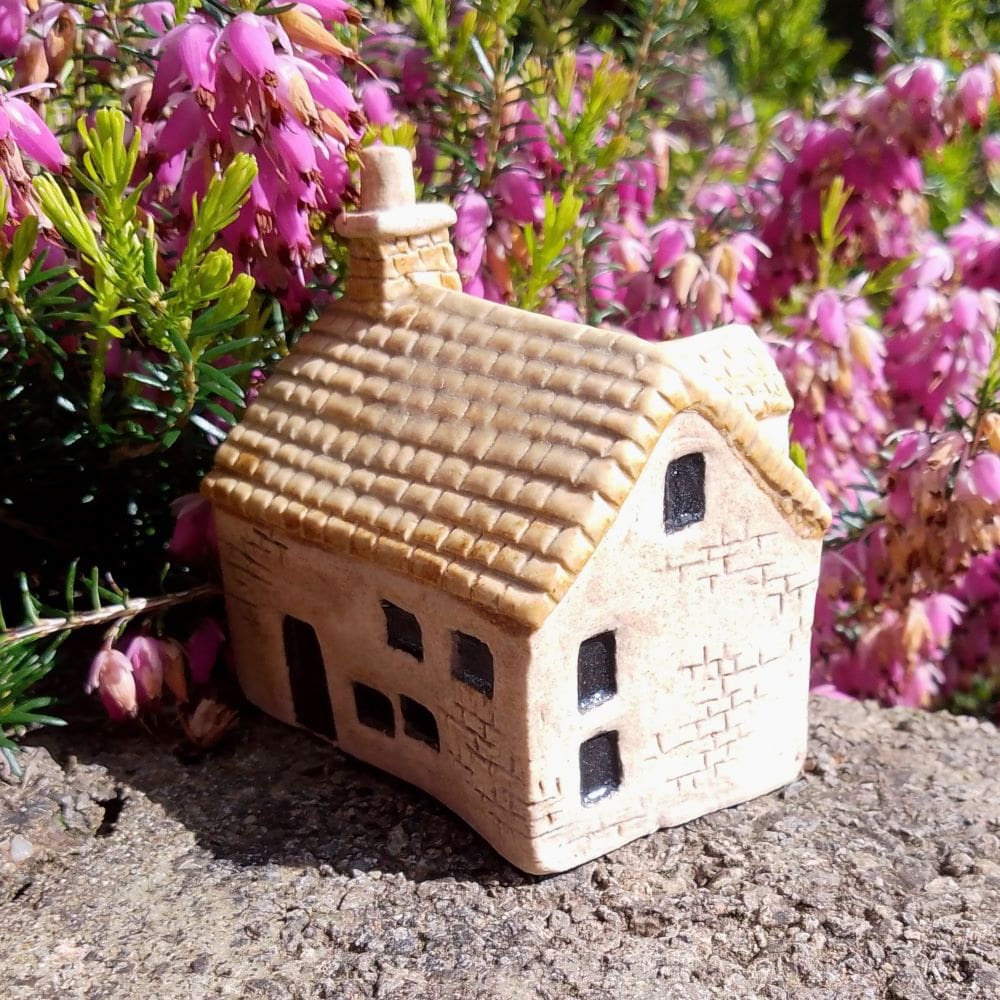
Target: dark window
[
  {"x": 403, "y": 630},
  {"x": 595, "y": 670},
  {"x": 472, "y": 662},
  {"x": 600, "y": 767},
  {"x": 307, "y": 677},
  {"x": 684, "y": 498},
  {"x": 374, "y": 709},
  {"x": 419, "y": 722}
]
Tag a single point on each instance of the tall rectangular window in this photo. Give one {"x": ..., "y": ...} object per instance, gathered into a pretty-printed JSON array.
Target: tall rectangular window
[
  {"x": 307, "y": 677},
  {"x": 600, "y": 767},
  {"x": 402, "y": 630},
  {"x": 472, "y": 662},
  {"x": 684, "y": 495},
  {"x": 595, "y": 671}
]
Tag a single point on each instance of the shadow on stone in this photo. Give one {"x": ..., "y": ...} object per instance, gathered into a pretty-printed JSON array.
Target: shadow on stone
[{"x": 274, "y": 794}]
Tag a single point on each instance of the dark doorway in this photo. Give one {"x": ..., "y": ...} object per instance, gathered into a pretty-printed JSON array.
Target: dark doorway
[{"x": 307, "y": 677}]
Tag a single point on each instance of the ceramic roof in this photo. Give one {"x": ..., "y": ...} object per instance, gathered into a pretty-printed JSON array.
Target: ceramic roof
[{"x": 481, "y": 448}]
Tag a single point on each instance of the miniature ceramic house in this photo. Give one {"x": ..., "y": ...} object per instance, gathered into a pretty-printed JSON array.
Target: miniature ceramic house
[{"x": 558, "y": 577}]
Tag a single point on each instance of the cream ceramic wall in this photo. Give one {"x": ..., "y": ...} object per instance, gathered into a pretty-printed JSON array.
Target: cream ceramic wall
[
  {"x": 712, "y": 625},
  {"x": 481, "y": 770}
]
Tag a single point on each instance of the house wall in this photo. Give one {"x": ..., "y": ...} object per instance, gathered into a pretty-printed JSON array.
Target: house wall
[
  {"x": 480, "y": 771},
  {"x": 712, "y": 626}
]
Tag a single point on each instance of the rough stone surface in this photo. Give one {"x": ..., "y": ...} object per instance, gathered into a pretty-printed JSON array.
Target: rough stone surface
[{"x": 278, "y": 868}]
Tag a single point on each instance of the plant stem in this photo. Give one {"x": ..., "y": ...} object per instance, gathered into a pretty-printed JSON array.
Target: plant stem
[
  {"x": 114, "y": 613},
  {"x": 494, "y": 129},
  {"x": 987, "y": 396}
]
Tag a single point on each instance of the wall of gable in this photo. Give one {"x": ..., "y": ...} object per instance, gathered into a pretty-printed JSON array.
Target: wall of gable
[{"x": 712, "y": 625}]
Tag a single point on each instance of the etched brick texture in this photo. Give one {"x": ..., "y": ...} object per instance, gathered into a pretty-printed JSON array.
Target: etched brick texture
[{"x": 381, "y": 269}]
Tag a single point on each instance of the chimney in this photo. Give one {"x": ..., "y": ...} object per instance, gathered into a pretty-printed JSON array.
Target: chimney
[{"x": 395, "y": 242}]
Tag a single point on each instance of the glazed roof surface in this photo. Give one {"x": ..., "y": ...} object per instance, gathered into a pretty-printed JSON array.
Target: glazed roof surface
[{"x": 484, "y": 449}]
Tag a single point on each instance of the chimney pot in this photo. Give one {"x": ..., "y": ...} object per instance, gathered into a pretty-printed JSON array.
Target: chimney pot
[{"x": 386, "y": 178}]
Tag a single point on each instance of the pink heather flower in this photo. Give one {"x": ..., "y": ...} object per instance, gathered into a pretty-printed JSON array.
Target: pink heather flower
[
  {"x": 202, "y": 648},
  {"x": 832, "y": 361},
  {"x": 469, "y": 233},
  {"x": 565, "y": 311},
  {"x": 146, "y": 657},
  {"x": 671, "y": 239},
  {"x": 194, "y": 540},
  {"x": 415, "y": 78},
  {"x": 714, "y": 199},
  {"x": 247, "y": 87},
  {"x": 519, "y": 195},
  {"x": 13, "y": 21},
  {"x": 158, "y": 16},
  {"x": 973, "y": 90},
  {"x": 940, "y": 331},
  {"x": 980, "y": 478},
  {"x": 251, "y": 49},
  {"x": 338, "y": 11},
  {"x": 991, "y": 150},
  {"x": 187, "y": 52},
  {"x": 21, "y": 122},
  {"x": 637, "y": 185},
  {"x": 111, "y": 677},
  {"x": 377, "y": 103},
  {"x": 919, "y": 81},
  {"x": 943, "y": 613}
]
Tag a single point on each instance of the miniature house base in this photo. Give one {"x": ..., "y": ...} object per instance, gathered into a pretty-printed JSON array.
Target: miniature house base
[{"x": 559, "y": 578}]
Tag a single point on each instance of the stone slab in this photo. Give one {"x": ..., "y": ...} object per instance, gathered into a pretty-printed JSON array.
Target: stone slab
[{"x": 278, "y": 868}]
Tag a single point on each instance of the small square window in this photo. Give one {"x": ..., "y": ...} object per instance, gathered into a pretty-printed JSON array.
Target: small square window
[
  {"x": 374, "y": 709},
  {"x": 419, "y": 722},
  {"x": 684, "y": 497},
  {"x": 600, "y": 768},
  {"x": 472, "y": 662},
  {"x": 403, "y": 630},
  {"x": 595, "y": 671}
]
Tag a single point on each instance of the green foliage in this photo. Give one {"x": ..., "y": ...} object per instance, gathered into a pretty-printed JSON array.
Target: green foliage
[
  {"x": 982, "y": 697},
  {"x": 547, "y": 250},
  {"x": 831, "y": 229},
  {"x": 945, "y": 29},
  {"x": 24, "y": 661},
  {"x": 23, "y": 664},
  {"x": 119, "y": 267},
  {"x": 777, "y": 51},
  {"x": 578, "y": 130}
]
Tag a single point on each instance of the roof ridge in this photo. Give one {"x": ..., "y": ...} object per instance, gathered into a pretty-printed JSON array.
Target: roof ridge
[{"x": 492, "y": 313}]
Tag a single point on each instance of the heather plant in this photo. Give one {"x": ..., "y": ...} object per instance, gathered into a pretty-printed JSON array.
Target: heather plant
[
  {"x": 852, "y": 228},
  {"x": 170, "y": 172}
]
